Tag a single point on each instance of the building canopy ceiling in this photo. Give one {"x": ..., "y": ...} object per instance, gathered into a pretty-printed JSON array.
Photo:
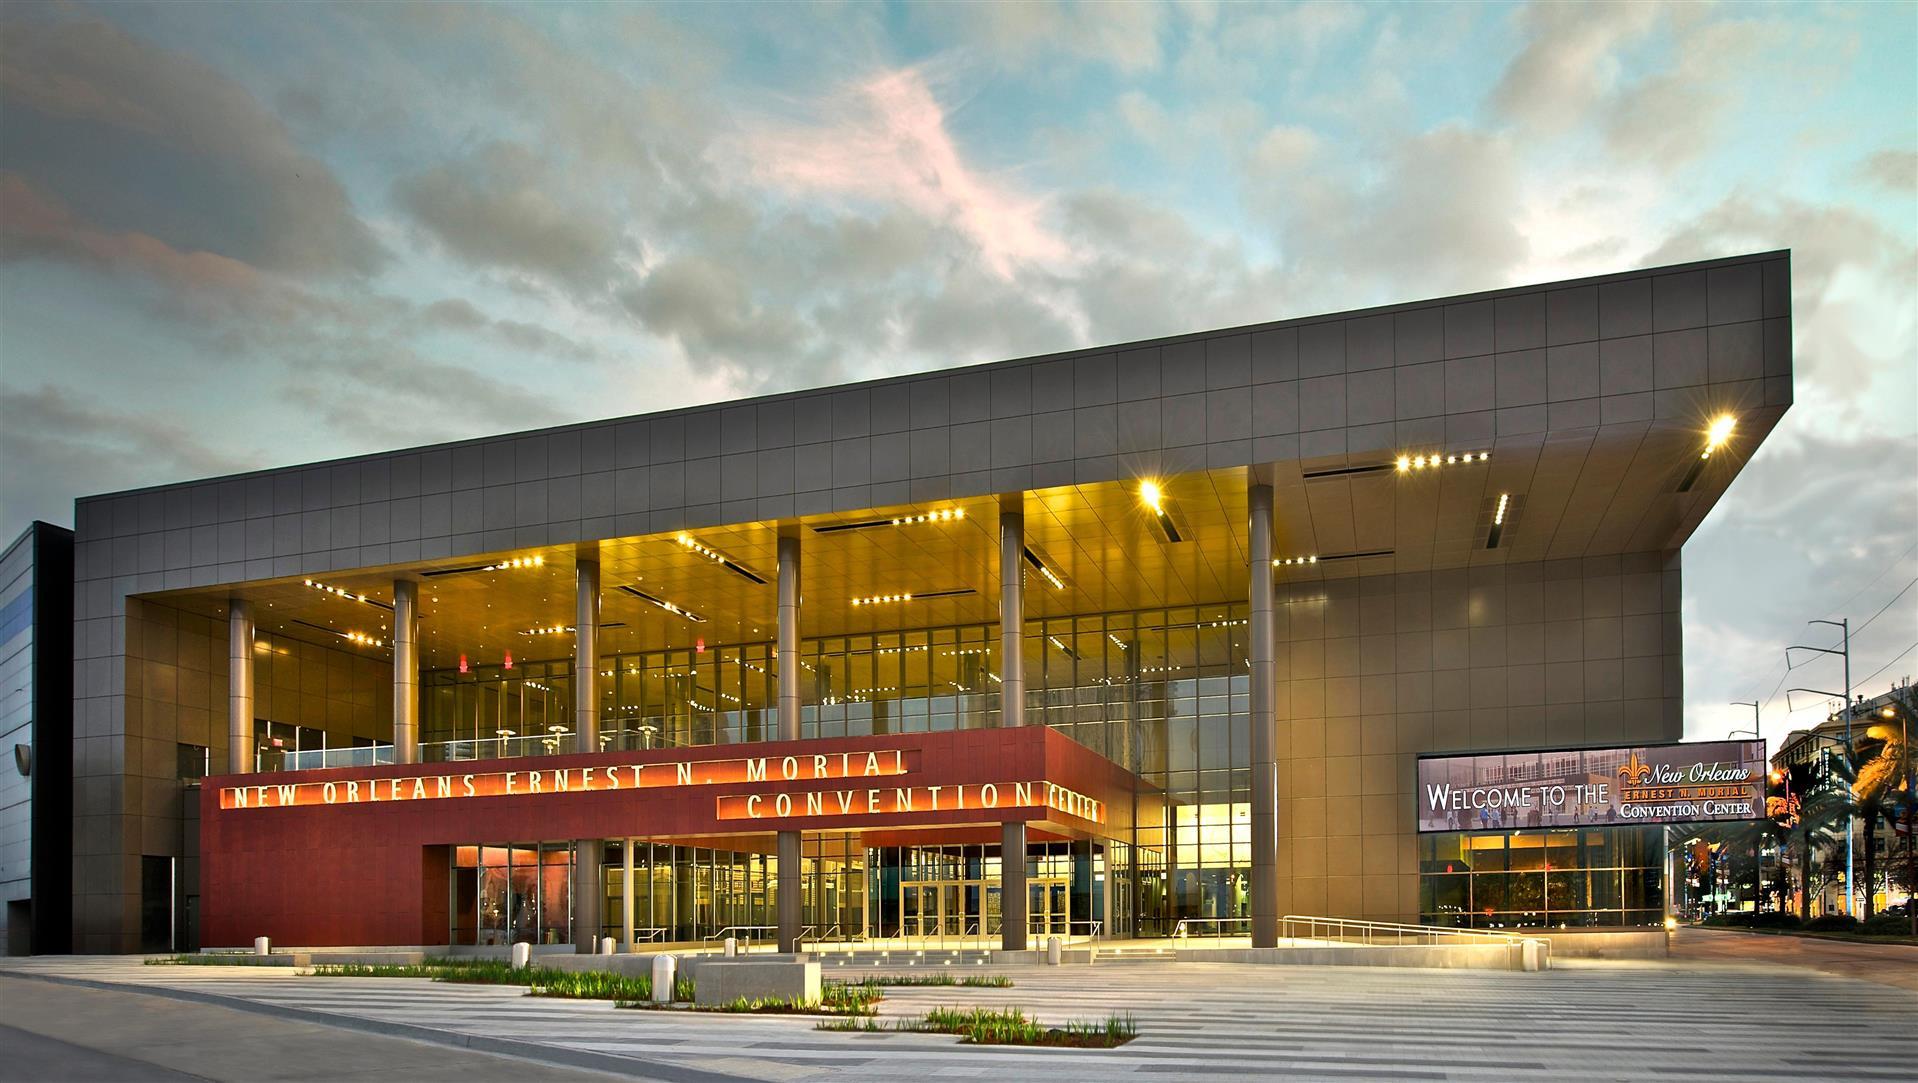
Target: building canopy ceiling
[{"x": 1583, "y": 493}]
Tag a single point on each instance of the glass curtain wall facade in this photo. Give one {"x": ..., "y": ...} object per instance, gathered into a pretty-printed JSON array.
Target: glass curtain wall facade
[
  {"x": 1163, "y": 693},
  {"x": 489, "y": 712},
  {"x": 684, "y": 894},
  {"x": 1604, "y": 876}
]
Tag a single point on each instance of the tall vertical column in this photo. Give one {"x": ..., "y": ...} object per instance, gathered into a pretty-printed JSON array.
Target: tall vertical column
[
  {"x": 586, "y": 657},
  {"x": 406, "y": 671},
  {"x": 588, "y": 891},
  {"x": 626, "y": 894},
  {"x": 1265, "y": 724},
  {"x": 791, "y": 899},
  {"x": 1012, "y": 712},
  {"x": 239, "y": 694}
]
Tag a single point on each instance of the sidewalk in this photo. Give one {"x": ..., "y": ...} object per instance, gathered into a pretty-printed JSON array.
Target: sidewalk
[
  {"x": 1886, "y": 964},
  {"x": 65, "y": 1032}
]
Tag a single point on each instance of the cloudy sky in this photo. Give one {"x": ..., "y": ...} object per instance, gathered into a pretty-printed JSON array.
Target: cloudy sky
[{"x": 241, "y": 236}]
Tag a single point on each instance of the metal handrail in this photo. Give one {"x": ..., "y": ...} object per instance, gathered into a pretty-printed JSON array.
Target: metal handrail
[
  {"x": 1374, "y": 932},
  {"x": 908, "y": 942},
  {"x": 650, "y": 933},
  {"x": 815, "y": 934},
  {"x": 1181, "y": 932},
  {"x": 747, "y": 929},
  {"x": 1093, "y": 927}
]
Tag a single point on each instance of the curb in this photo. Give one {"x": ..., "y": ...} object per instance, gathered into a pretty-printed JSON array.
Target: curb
[{"x": 512, "y": 1047}]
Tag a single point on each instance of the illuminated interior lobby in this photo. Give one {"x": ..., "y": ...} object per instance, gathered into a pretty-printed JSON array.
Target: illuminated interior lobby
[{"x": 1202, "y": 600}]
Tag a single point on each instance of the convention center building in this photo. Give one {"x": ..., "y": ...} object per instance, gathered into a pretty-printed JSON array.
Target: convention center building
[{"x": 1170, "y": 638}]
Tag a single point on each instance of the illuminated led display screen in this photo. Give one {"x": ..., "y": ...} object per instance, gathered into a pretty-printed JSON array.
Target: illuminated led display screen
[{"x": 1635, "y": 785}]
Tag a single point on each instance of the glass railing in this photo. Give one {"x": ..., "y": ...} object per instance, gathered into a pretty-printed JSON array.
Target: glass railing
[
  {"x": 491, "y": 748},
  {"x": 507, "y": 747},
  {"x": 495, "y": 748},
  {"x": 314, "y": 759}
]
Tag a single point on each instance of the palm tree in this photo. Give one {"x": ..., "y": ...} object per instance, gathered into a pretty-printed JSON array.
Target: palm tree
[
  {"x": 1874, "y": 787},
  {"x": 1820, "y": 809}
]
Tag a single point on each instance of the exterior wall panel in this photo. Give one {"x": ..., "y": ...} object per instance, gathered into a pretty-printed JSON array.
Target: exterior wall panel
[{"x": 1374, "y": 671}]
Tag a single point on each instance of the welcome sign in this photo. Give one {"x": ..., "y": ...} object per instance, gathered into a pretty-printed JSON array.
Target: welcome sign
[{"x": 1643, "y": 784}]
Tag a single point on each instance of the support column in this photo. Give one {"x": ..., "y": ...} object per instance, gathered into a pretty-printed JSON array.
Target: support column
[
  {"x": 790, "y": 894},
  {"x": 626, "y": 894},
  {"x": 586, "y": 657},
  {"x": 1265, "y": 724},
  {"x": 1012, "y": 713},
  {"x": 588, "y": 890},
  {"x": 239, "y": 695},
  {"x": 406, "y": 671}
]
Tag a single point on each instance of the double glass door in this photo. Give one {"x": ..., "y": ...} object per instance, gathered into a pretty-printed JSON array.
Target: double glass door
[
  {"x": 965, "y": 908},
  {"x": 1047, "y": 907},
  {"x": 949, "y": 908}
]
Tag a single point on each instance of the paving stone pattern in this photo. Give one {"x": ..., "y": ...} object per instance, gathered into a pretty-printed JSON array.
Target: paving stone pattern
[{"x": 1586, "y": 1020}]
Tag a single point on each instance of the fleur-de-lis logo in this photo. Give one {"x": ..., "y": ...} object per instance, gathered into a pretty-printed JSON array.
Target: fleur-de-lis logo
[{"x": 1634, "y": 771}]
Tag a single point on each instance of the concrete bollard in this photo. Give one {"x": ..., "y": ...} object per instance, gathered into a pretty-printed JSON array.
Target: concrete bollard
[
  {"x": 260, "y": 946},
  {"x": 605, "y": 945},
  {"x": 522, "y": 955},
  {"x": 732, "y": 947},
  {"x": 664, "y": 971},
  {"x": 1052, "y": 951}
]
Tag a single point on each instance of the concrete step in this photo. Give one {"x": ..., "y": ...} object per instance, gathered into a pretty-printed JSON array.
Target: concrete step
[
  {"x": 1135, "y": 955},
  {"x": 915, "y": 959}
]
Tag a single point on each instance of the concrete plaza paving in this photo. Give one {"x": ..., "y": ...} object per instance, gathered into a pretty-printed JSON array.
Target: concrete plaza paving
[{"x": 1750, "y": 1018}]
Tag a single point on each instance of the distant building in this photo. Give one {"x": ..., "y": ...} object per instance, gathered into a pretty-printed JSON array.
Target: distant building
[{"x": 36, "y": 739}]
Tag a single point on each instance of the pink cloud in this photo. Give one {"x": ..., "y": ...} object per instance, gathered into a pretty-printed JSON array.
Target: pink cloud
[
  {"x": 891, "y": 144},
  {"x": 35, "y": 223}
]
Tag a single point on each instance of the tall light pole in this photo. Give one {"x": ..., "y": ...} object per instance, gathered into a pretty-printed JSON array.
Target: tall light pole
[
  {"x": 1758, "y": 834},
  {"x": 1851, "y": 887},
  {"x": 1911, "y": 797}
]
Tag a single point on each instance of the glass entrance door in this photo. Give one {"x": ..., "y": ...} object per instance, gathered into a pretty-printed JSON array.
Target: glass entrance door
[
  {"x": 1048, "y": 912},
  {"x": 919, "y": 910},
  {"x": 946, "y": 908}
]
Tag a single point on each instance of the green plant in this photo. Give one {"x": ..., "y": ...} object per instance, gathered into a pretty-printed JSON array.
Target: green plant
[
  {"x": 1886, "y": 925},
  {"x": 767, "y": 1005},
  {"x": 227, "y": 958},
  {"x": 1832, "y": 923},
  {"x": 1010, "y": 1026},
  {"x": 591, "y": 985},
  {"x": 849, "y": 998},
  {"x": 540, "y": 981},
  {"x": 977, "y": 981},
  {"x": 1007, "y": 1026}
]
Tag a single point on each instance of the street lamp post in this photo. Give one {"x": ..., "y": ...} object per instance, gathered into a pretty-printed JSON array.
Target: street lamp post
[
  {"x": 1844, "y": 626},
  {"x": 1758, "y": 835},
  {"x": 1903, "y": 713}
]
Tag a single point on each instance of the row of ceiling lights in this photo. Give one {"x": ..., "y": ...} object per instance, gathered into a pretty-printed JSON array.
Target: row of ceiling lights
[{"x": 1151, "y": 495}]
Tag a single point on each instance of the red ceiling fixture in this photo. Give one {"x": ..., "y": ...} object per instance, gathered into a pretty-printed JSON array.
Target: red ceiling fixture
[
  {"x": 462, "y": 663},
  {"x": 509, "y": 660},
  {"x": 699, "y": 645}
]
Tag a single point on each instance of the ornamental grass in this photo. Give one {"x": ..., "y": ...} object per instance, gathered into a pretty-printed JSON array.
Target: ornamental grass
[{"x": 1003, "y": 1026}]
